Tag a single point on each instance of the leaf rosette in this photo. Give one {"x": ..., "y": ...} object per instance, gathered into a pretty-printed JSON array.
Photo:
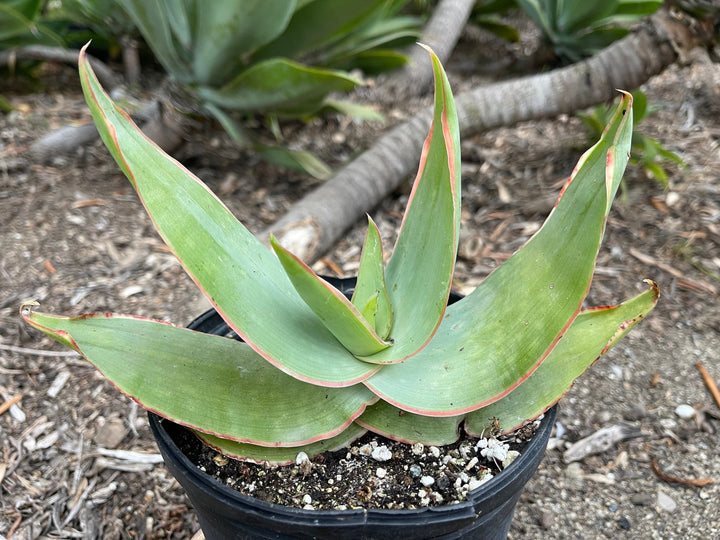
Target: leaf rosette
[{"x": 317, "y": 369}]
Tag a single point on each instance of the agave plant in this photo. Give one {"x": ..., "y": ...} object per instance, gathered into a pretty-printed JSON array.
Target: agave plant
[
  {"x": 316, "y": 370},
  {"x": 580, "y": 28},
  {"x": 276, "y": 58}
]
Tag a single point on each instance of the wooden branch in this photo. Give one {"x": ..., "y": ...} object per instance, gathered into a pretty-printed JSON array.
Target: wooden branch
[
  {"x": 441, "y": 34},
  {"x": 44, "y": 53},
  {"x": 315, "y": 222}
]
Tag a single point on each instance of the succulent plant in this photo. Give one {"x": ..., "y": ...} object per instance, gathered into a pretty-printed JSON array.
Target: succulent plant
[{"x": 317, "y": 370}]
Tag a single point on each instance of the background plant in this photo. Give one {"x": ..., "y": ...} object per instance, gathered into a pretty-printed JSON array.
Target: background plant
[
  {"x": 576, "y": 29},
  {"x": 274, "y": 58},
  {"x": 647, "y": 152}
]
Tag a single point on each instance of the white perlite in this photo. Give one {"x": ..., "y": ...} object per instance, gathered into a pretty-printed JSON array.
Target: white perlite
[
  {"x": 493, "y": 449},
  {"x": 301, "y": 458},
  {"x": 381, "y": 453},
  {"x": 380, "y": 472},
  {"x": 427, "y": 481},
  {"x": 512, "y": 455}
]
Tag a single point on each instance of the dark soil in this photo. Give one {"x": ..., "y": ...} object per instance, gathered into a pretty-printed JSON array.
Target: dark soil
[
  {"x": 411, "y": 477},
  {"x": 77, "y": 458}
]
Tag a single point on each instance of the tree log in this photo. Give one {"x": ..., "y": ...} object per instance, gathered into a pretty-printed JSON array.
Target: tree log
[{"x": 319, "y": 219}]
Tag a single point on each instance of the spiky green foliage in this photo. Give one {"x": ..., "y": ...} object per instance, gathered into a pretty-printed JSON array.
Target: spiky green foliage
[
  {"x": 647, "y": 152},
  {"x": 580, "y": 28},
  {"x": 316, "y": 370}
]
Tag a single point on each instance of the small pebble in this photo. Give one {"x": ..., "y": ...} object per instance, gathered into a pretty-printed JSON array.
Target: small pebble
[
  {"x": 624, "y": 523},
  {"x": 380, "y": 472},
  {"x": 307, "y": 499},
  {"x": 427, "y": 481},
  {"x": 665, "y": 502},
  {"x": 418, "y": 449},
  {"x": 415, "y": 470},
  {"x": 365, "y": 450},
  {"x": 301, "y": 458},
  {"x": 642, "y": 499},
  {"x": 381, "y": 453},
  {"x": 684, "y": 411},
  {"x": 512, "y": 455},
  {"x": 435, "y": 451}
]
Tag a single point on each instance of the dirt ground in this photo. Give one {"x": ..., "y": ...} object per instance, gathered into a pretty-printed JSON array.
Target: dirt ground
[{"x": 77, "y": 458}]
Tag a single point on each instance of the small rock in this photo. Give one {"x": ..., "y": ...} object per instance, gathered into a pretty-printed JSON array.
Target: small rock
[
  {"x": 111, "y": 433},
  {"x": 380, "y": 472},
  {"x": 637, "y": 411},
  {"x": 427, "y": 481},
  {"x": 546, "y": 519},
  {"x": 301, "y": 458},
  {"x": 418, "y": 449},
  {"x": 365, "y": 450},
  {"x": 475, "y": 483},
  {"x": 512, "y": 455},
  {"x": 381, "y": 453},
  {"x": 415, "y": 470},
  {"x": 435, "y": 451},
  {"x": 684, "y": 411},
  {"x": 624, "y": 523},
  {"x": 307, "y": 499},
  {"x": 443, "y": 482},
  {"x": 665, "y": 502},
  {"x": 642, "y": 499}
]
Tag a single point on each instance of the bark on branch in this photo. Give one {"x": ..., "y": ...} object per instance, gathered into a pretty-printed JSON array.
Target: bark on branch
[
  {"x": 316, "y": 222},
  {"x": 106, "y": 76}
]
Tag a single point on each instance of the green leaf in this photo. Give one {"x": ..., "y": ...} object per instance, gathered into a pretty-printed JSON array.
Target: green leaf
[
  {"x": 296, "y": 160},
  {"x": 281, "y": 456},
  {"x": 278, "y": 85},
  {"x": 332, "y": 307},
  {"x": 318, "y": 23},
  {"x": 210, "y": 383},
  {"x": 494, "y": 338},
  {"x": 356, "y": 110},
  {"x": 155, "y": 20},
  {"x": 240, "y": 276},
  {"x": 419, "y": 273},
  {"x": 410, "y": 428},
  {"x": 226, "y": 32},
  {"x": 370, "y": 295},
  {"x": 594, "y": 332}
]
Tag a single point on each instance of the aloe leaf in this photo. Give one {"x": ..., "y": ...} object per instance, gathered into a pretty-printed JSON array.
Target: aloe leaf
[
  {"x": 281, "y": 456},
  {"x": 407, "y": 427},
  {"x": 155, "y": 23},
  {"x": 419, "y": 273},
  {"x": 206, "y": 382},
  {"x": 278, "y": 85},
  {"x": 226, "y": 32},
  {"x": 494, "y": 338},
  {"x": 371, "y": 296},
  {"x": 332, "y": 307},
  {"x": 318, "y": 23},
  {"x": 593, "y": 333},
  {"x": 240, "y": 276}
]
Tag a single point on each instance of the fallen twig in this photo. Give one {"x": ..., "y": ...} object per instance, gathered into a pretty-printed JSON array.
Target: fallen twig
[
  {"x": 697, "y": 482},
  {"x": 683, "y": 279},
  {"x": 38, "y": 352},
  {"x": 709, "y": 382},
  {"x": 9, "y": 403},
  {"x": 45, "y": 53}
]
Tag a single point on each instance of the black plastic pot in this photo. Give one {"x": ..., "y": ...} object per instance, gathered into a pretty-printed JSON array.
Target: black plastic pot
[{"x": 226, "y": 514}]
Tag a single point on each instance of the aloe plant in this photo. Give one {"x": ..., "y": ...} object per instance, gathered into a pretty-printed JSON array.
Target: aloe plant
[
  {"x": 316, "y": 370},
  {"x": 580, "y": 28}
]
